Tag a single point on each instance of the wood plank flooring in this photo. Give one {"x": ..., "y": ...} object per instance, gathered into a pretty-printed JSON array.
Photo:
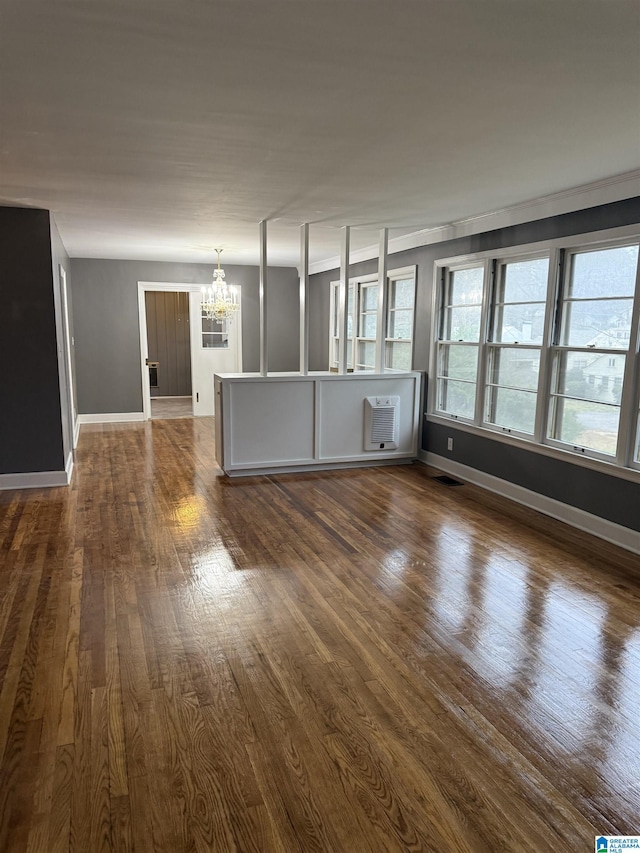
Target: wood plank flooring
[
  {"x": 359, "y": 661},
  {"x": 171, "y": 407}
]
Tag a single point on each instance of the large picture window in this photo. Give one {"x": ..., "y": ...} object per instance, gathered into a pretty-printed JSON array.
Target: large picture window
[{"x": 543, "y": 347}]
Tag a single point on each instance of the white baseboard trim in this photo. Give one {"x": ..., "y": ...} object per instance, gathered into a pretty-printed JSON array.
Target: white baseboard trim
[
  {"x": 34, "y": 480},
  {"x": 320, "y": 466},
  {"x": 111, "y": 418},
  {"x": 76, "y": 433},
  {"x": 600, "y": 527}
]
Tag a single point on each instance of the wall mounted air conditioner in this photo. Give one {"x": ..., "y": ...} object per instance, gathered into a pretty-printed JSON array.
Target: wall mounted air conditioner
[{"x": 381, "y": 415}]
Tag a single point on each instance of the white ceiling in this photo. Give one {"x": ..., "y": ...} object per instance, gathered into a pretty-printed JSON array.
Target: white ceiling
[{"x": 158, "y": 129}]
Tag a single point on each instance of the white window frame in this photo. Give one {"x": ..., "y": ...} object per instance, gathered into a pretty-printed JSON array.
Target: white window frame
[
  {"x": 392, "y": 277},
  {"x": 490, "y": 346},
  {"x": 443, "y": 283},
  {"x": 625, "y": 465},
  {"x": 624, "y": 453},
  {"x": 204, "y": 335},
  {"x": 356, "y": 285},
  {"x": 360, "y": 313}
]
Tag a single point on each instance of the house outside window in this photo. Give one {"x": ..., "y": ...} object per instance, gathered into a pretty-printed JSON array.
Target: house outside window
[
  {"x": 596, "y": 305},
  {"x": 544, "y": 347},
  {"x": 517, "y": 329}
]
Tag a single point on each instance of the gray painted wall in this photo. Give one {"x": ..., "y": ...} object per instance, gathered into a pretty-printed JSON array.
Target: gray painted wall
[
  {"x": 30, "y": 413},
  {"x": 105, "y": 303},
  {"x": 608, "y": 497}
]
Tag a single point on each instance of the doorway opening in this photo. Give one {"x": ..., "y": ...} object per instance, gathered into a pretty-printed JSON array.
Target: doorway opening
[
  {"x": 210, "y": 350},
  {"x": 169, "y": 353}
]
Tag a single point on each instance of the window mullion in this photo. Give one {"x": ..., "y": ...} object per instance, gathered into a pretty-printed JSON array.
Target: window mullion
[
  {"x": 550, "y": 337},
  {"x": 629, "y": 403},
  {"x": 487, "y": 296}
]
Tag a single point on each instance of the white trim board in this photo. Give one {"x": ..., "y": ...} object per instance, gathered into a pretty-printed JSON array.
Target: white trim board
[
  {"x": 624, "y": 537},
  {"x": 68, "y": 468},
  {"x": 322, "y": 466},
  {"x": 111, "y": 418},
  {"x": 36, "y": 479},
  {"x": 616, "y": 188}
]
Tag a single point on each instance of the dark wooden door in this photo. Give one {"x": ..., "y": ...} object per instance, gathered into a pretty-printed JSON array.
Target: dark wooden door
[{"x": 168, "y": 342}]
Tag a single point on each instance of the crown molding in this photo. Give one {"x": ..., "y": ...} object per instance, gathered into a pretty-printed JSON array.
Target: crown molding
[{"x": 605, "y": 191}]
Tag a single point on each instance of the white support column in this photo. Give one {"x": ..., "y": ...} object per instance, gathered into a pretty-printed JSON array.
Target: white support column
[
  {"x": 304, "y": 299},
  {"x": 343, "y": 317},
  {"x": 264, "y": 362},
  {"x": 381, "y": 331}
]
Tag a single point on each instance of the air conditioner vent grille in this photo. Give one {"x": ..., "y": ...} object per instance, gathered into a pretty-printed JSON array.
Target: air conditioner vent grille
[{"x": 381, "y": 423}]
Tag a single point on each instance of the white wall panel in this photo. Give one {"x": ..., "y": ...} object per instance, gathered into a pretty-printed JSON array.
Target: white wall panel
[
  {"x": 341, "y": 422},
  {"x": 298, "y": 422},
  {"x": 271, "y": 422}
]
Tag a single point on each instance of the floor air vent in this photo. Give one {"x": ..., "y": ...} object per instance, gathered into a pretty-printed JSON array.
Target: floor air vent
[
  {"x": 447, "y": 481},
  {"x": 381, "y": 423}
]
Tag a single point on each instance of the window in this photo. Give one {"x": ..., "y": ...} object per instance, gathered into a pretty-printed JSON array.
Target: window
[
  {"x": 363, "y": 327},
  {"x": 399, "y": 338},
  {"x": 334, "y": 354},
  {"x": 517, "y": 329},
  {"x": 215, "y": 333},
  {"x": 367, "y": 326},
  {"x": 543, "y": 346},
  {"x": 459, "y": 341},
  {"x": 592, "y": 348}
]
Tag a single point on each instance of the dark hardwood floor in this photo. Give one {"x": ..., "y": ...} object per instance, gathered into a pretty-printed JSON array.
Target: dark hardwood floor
[{"x": 358, "y": 661}]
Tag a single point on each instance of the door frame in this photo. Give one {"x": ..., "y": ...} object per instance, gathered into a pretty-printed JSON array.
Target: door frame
[{"x": 169, "y": 287}]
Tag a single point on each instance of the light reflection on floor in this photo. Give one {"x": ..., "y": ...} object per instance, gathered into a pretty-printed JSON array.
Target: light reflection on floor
[{"x": 544, "y": 646}]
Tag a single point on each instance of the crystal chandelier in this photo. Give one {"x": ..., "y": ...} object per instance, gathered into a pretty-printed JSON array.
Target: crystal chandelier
[{"x": 219, "y": 300}]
